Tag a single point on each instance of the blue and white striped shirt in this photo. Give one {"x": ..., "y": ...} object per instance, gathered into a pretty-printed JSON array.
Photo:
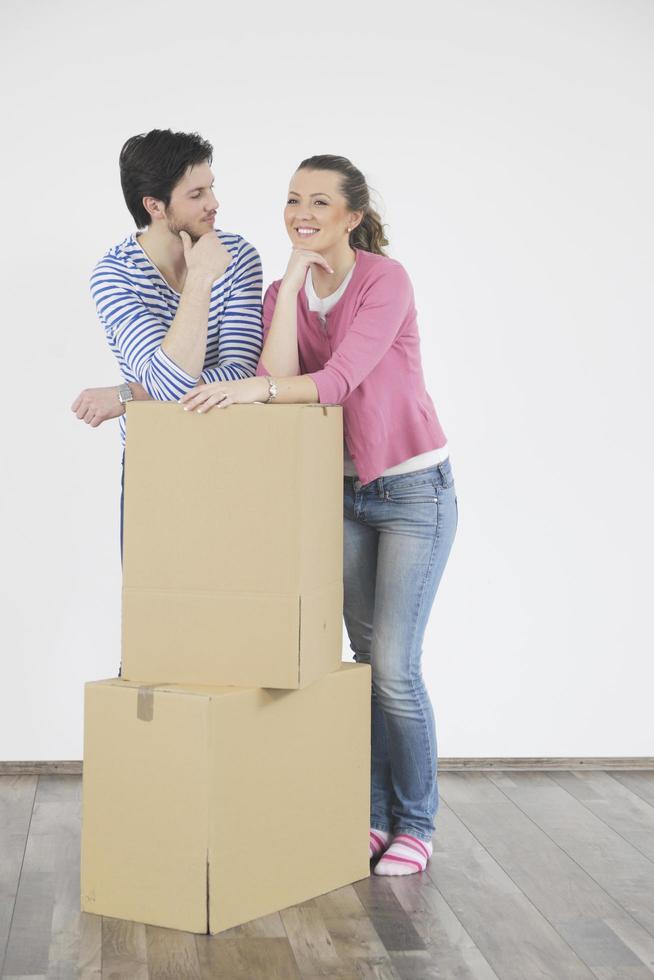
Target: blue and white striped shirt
[{"x": 136, "y": 307}]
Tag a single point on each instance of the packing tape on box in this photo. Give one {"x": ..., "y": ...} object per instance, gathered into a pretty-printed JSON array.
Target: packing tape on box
[{"x": 145, "y": 700}]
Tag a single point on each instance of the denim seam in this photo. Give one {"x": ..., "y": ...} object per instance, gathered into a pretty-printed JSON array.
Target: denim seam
[
  {"x": 386, "y": 823},
  {"x": 408, "y": 499},
  {"x": 439, "y": 523},
  {"x": 357, "y": 518}
]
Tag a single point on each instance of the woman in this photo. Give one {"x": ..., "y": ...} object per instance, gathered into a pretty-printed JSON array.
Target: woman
[{"x": 340, "y": 328}]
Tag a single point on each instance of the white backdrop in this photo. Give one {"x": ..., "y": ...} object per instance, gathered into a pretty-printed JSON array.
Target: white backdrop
[{"x": 512, "y": 146}]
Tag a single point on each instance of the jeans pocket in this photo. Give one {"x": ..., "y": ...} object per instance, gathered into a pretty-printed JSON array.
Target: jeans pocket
[
  {"x": 424, "y": 492},
  {"x": 446, "y": 474}
]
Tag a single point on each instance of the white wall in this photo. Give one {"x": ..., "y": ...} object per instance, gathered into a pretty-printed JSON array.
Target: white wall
[{"x": 512, "y": 144}]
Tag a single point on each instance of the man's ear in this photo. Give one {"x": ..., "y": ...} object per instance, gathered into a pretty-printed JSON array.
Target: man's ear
[{"x": 154, "y": 207}]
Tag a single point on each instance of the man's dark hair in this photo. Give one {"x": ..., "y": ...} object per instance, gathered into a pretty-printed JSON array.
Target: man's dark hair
[{"x": 152, "y": 163}]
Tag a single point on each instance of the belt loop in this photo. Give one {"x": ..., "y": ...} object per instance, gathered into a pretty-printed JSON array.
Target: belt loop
[{"x": 380, "y": 487}]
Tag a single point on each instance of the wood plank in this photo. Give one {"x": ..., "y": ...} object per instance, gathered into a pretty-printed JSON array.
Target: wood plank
[
  {"x": 270, "y": 926},
  {"x": 621, "y": 870},
  {"x": 420, "y": 965},
  {"x": 617, "y": 806},
  {"x": 626, "y": 973},
  {"x": 89, "y": 957},
  {"x": 254, "y": 958},
  {"x": 171, "y": 954},
  {"x": 566, "y": 896},
  {"x": 49, "y": 883},
  {"x": 75, "y": 937},
  {"x": 60, "y": 788},
  {"x": 52, "y": 843},
  {"x": 374, "y": 971},
  {"x": 312, "y": 945},
  {"x": 389, "y": 919},
  {"x": 355, "y": 938},
  {"x": 512, "y": 935},
  {"x": 29, "y": 937},
  {"x": 124, "y": 950},
  {"x": 603, "y": 950},
  {"x": 640, "y": 783},
  {"x": 452, "y": 951},
  {"x": 60, "y": 798},
  {"x": 635, "y": 937},
  {"x": 17, "y": 794}
]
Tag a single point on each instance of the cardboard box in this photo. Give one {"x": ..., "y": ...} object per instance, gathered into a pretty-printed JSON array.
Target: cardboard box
[
  {"x": 233, "y": 544},
  {"x": 175, "y": 778}
]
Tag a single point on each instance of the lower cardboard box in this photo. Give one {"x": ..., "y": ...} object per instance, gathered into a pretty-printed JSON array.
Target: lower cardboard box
[{"x": 201, "y": 804}]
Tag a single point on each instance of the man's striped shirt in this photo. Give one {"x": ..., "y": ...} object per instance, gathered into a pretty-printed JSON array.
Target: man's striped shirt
[{"x": 136, "y": 307}]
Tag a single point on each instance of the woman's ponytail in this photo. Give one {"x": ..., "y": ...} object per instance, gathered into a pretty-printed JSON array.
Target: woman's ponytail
[{"x": 369, "y": 234}]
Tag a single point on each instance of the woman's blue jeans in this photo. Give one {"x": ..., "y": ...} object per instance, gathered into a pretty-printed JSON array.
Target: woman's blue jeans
[{"x": 398, "y": 532}]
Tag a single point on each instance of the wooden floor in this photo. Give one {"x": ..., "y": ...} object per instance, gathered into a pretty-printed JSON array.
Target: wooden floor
[{"x": 534, "y": 875}]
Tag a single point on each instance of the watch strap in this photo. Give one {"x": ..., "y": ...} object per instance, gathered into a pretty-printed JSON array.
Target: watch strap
[{"x": 125, "y": 393}]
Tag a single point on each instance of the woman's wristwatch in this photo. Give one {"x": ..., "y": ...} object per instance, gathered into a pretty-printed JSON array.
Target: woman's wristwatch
[{"x": 273, "y": 391}]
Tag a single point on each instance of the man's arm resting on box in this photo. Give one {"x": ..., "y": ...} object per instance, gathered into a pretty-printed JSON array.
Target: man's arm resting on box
[
  {"x": 97, "y": 405},
  {"x": 155, "y": 356}
]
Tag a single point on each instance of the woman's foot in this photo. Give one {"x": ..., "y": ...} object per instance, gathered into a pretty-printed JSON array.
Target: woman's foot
[
  {"x": 379, "y": 841},
  {"x": 405, "y": 856}
]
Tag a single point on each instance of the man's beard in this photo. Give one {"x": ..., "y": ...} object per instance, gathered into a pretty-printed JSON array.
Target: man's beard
[{"x": 174, "y": 227}]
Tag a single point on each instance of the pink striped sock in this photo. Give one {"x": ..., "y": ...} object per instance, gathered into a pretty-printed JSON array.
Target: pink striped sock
[
  {"x": 379, "y": 841},
  {"x": 405, "y": 856}
]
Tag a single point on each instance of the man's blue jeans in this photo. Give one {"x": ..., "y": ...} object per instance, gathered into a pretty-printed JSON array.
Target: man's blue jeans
[
  {"x": 122, "y": 507},
  {"x": 398, "y": 532}
]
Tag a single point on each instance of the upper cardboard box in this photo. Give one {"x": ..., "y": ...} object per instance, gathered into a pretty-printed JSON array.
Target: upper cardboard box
[{"x": 233, "y": 544}]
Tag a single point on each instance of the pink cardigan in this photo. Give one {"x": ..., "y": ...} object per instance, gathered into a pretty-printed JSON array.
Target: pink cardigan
[{"x": 367, "y": 359}]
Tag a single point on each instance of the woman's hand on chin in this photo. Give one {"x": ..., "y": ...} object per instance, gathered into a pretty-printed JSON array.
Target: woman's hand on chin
[
  {"x": 220, "y": 394},
  {"x": 296, "y": 270}
]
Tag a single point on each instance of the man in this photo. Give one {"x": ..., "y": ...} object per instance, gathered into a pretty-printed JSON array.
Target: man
[{"x": 180, "y": 301}]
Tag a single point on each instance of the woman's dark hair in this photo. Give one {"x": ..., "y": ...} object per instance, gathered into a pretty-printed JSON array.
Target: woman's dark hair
[
  {"x": 152, "y": 163},
  {"x": 369, "y": 233}
]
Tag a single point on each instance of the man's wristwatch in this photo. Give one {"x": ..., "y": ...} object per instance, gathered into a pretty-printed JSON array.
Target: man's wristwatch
[
  {"x": 273, "y": 391},
  {"x": 125, "y": 393}
]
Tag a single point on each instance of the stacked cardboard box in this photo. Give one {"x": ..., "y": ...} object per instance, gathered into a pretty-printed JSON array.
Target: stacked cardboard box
[{"x": 235, "y": 730}]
